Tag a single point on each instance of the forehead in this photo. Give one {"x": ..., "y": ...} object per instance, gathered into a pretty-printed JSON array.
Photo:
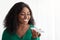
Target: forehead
[{"x": 25, "y": 9}]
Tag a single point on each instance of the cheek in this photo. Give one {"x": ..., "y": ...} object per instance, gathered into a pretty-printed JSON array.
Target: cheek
[
  {"x": 29, "y": 17},
  {"x": 21, "y": 17}
]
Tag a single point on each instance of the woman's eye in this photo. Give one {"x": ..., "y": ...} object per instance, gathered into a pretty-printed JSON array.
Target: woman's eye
[
  {"x": 21, "y": 14},
  {"x": 28, "y": 14}
]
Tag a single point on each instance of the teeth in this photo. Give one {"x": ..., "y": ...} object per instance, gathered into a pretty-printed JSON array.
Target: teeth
[{"x": 25, "y": 20}]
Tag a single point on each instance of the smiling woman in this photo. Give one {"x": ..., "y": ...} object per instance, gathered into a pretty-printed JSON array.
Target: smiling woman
[
  {"x": 24, "y": 16},
  {"x": 18, "y": 23}
]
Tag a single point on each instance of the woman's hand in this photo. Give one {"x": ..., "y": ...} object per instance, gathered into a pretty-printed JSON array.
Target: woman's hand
[{"x": 35, "y": 34}]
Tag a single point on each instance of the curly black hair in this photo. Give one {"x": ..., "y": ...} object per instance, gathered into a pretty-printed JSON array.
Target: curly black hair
[{"x": 11, "y": 19}]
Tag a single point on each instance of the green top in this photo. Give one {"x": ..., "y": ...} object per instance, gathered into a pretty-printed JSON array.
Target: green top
[{"x": 27, "y": 36}]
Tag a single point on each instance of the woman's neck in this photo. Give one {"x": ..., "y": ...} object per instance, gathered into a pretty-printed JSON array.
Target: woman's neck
[{"x": 22, "y": 26}]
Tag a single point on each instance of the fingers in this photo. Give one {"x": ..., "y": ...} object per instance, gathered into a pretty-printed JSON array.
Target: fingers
[{"x": 35, "y": 34}]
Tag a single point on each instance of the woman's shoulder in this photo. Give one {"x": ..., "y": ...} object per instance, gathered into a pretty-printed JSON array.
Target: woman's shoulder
[{"x": 5, "y": 35}]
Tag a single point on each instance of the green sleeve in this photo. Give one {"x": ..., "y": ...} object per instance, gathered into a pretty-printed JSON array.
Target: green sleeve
[
  {"x": 38, "y": 38},
  {"x": 6, "y": 36}
]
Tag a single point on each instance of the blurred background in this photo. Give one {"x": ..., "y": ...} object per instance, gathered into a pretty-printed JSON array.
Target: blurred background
[{"x": 45, "y": 12}]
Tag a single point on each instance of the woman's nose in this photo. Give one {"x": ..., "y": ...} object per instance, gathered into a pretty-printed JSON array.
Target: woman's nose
[{"x": 25, "y": 17}]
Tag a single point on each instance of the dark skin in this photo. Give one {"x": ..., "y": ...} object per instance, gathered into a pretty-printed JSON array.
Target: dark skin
[{"x": 24, "y": 17}]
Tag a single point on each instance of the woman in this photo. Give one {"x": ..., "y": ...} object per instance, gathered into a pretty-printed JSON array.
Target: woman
[{"x": 18, "y": 22}]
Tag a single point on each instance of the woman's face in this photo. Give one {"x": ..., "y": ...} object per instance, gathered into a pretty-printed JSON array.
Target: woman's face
[{"x": 24, "y": 16}]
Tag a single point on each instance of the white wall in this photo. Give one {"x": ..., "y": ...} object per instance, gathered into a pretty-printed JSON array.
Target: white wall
[
  {"x": 43, "y": 12},
  {"x": 57, "y": 19}
]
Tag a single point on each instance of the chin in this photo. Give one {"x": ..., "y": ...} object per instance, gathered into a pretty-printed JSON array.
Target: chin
[{"x": 25, "y": 23}]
